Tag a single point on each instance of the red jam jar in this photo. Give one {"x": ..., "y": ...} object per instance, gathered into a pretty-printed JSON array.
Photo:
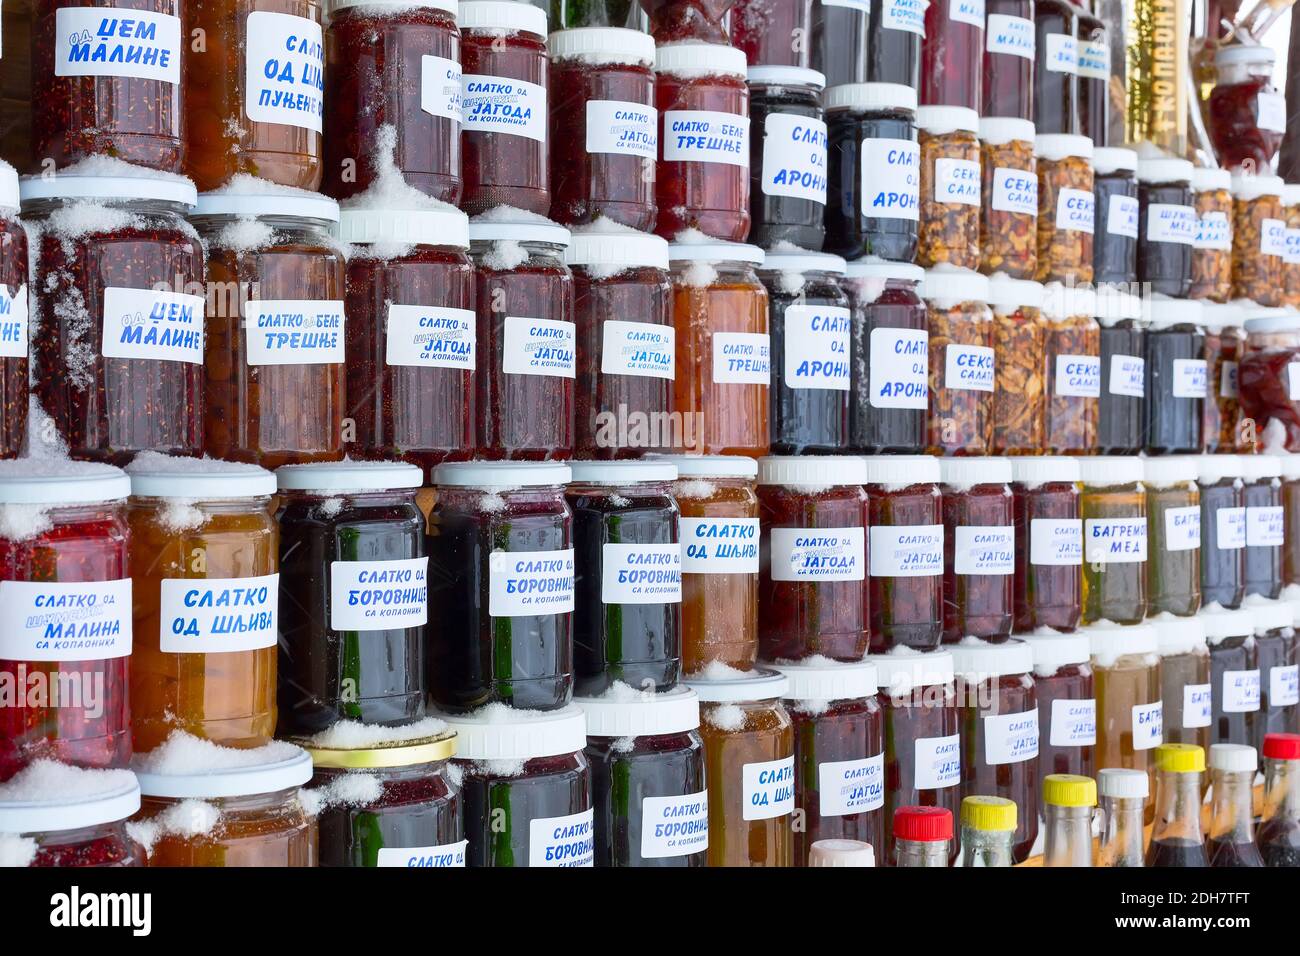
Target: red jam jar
[
  {"x": 1268, "y": 377},
  {"x": 65, "y": 599},
  {"x": 1067, "y": 707},
  {"x": 409, "y": 334},
  {"x": 774, "y": 32},
  {"x": 389, "y": 63},
  {"x": 813, "y": 591},
  {"x": 526, "y": 336},
  {"x": 979, "y": 548},
  {"x": 14, "y": 385},
  {"x": 906, "y": 552},
  {"x": 604, "y": 126},
  {"x": 1049, "y": 543},
  {"x": 55, "y": 815},
  {"x": 952, "y": 54},
  {"x": 1009, "y": 50},
  {"x": 626, "y": 341},
  {"x": 504, "y": 111},
  {"x": 703, "y": 176},
  {"x": 1247, "y": 115},
  {"x": 699, "y": 20},
  {"x": 119, "y": 367}
]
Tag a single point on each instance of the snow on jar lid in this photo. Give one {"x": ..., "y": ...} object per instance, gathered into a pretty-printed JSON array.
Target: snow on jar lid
[
  {"x": 1234, "y": 758},
  {"x": 155, "y": 475},
  {"x": 508, "y": 224},
  {"x": 1207, "y": 180},
  {"x": 1263, "y": 319},
  {"x": 864, "y": 97},
  {"x": 903, "y": 669},
  {"x": 822, "y": 679},
  {"x": 1167, "y": 470},
  {"x": 1222, "y": 623},
  {"x": 1105, "y": 471},
  {"x": 436, "y": 224},
  {"x": 773, "y": 75},
  {"x": 9, "y": 197},
  {"x": 692, "y": 59},
  {"x": 624, "y": 711},
  {"x": 1257, "y": 467},
  {"x": 501, "y": 474},
  {"x": 1061, "y": 301},
  {"x": 712, "y": 466},
  {"x": 714, "y": 250},
  {"x": 48, "y": 796},
  {"x": 613, "y": 246},
  {"x": 621, "y": 472},
  {"x": 1291, "y": 194},
  {"x": 1058, "y": 146},
  {"x": 1123, "y": 784},
  {"x": 1165, "y": 170},
  {"x": 1211, "y": 469},
  {"x": 1290, "y": 466},
  {"x": 1112, "y": 159},
  {"x": 351, "y": 745},
  {"x": 981, "y": 660},
  {"x": 41, "y": 481},
  {"x": 1109, "y": 642},
  {"x": 1269, "y": 614},
  {"x": 939, "y": 120},
  {"x": 1000, "y": 130},
  {"x": 348, "y": 476},
  {"x": 1007, "y": 294},
  {"x": 248, "y": 197},
  {"x": 1253, "y": 187},
  {"x": 812, "y": 471},
  {"x": 1177, "y": 635},
  {"x": 872, "y": 268},
  {"x": 1056, "y": 650},
  {"x": 788, "y": 258},
  {"x": 1114, "y": 305},
  {"x": 966, "y": 473},
  {"x": 1162, "y": 311},
  {"x": 100, "y": 178},
  {"x": 949, "y": 286},
  {"x": 719, "y": 684},
  {"x": 841, "y": 854},
  {"x": 185, "y": 767},
  {"x": 509, "y": 15},
  {"x": 602, "y": 46},
  {"x": 1037, "y": 470},
  {"x": 498, "y": 732},
  {"x": 901, "y": 471}
]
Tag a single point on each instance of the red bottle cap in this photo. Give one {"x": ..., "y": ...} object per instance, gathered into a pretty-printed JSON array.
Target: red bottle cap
[
  {"x": 923, "y": 824},
  {"x": 1282, "y": 746}
]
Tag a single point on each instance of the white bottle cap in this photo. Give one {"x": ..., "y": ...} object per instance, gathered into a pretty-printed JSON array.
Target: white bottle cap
[
  {"x": 977, "y": 660},
  {"x": 498, "y": 732},
  {"x": 1123, "y": 784},
  {"x": 841, "y": 853},
  {"x": 501, "y": 15},
  {"x": 1233, "y": 758},
  {"x": 817, "y": 470},
  {"x": 624, "y": 711},
  {"x": 829, "y": 681}
]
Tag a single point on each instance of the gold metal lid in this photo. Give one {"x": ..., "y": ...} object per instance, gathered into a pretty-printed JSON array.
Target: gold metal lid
[{"x": 404, "y": 753}]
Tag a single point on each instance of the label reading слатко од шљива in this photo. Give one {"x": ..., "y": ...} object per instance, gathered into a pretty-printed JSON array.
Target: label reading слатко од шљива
[
  {"x": 104, "y": 41},
  {"x": 1148, "y": 725},
  {"x": 1183, "y": 528},
  {"x": 217, "y": 615},
  {"x": 1167, "y": 222},
  {"x": 768, "y": 789},
  {"x": 957, "y": 181},
  {"x": 567, "y": 841},
  {"x": 1115, "y": 540},
  {"x": 742, "y": 358},
  {"x": 906, "y": 15},
  {"x": 502, "y": 104},
  {"x": 984, "y": 549},
  {"x": 1230, "y": 528},
  {"x": 1075, "y": 210},
  {"x": 284, "y": 70},
  {"x": 891, "y": 179},
  {"x": 157, "y": 325},
  {"x": 1056, "y": 542},
  {"x": 430, "y": 336},
  {"x": 1213, "y": 231},
  {"x": 379, "y": 595},
  {"x": 898, "y": 369},
  {"x": 1015, "y": 191},
  {"x": 441, "y": 87},
  {"x": 817, "y": 347},
  {"x": 1284, "y": 686},
  {"x": 638, "y": 348},
  {"x": 818, "y": 554},
  {"x": 64, "y": 621},
  {"x": 968, "y": 367},
  {"x": 1074, "y": 723},
  {"x": 794, "y": 157},
  {"x": 906, "y": 551},
  {"x": 13, "y": 322},
  {"x": 620, "y": 128},
  {"x": 1122, "y": 216},
  {"x": 719, "y": 545},
  {"x": 294, "y": 331},
  {"x": 938, "y": 762},
  {"x": 1198, "y": 706},
  {"x": 530, "y": 583},
  {"x": 641, "y": 574},
  {"x": 851, "y": 786},
  {"x": 674, "y": 826},
  {"x": 424, "y": 857},
  {"x": 1013, "y": 36},
  {"x": 538, "y": 347},
  {"x": 1265, "y": 527},
  {"x": 1010, "y": 738},
  {"x": 706, "y": 136},
  {"x": 1127, "y": 376},
  {"x": 1190, "y": 378},
  {"x": 1078, "y": 376},
  {"x": 1241, "y": 691}
]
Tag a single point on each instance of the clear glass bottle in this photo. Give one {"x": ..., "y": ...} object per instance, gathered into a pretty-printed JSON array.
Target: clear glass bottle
[
  {"x": 922, "y": 836},
  {"x": 1279, "y": 828},
  {"x": 1177, "y": 839},
  {"x": 1232, "y": 832},
  {"x": 1123, "y": 805},
  {"x": 988, "y": 827},
  {"x": 1068, "y": 802}
]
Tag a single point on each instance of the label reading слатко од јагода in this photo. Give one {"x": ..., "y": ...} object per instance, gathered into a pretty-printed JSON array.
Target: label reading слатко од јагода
[
  {"x": 379, "y": 595},
  {"x": 1056, "y": 542},
  {"x": 619, "y": 128},
  {"x": 768, "y": 789},
  {"x": 817, "y": 347},
  {"x": 674, "y": 826},
  {"x": 794, "y": 157},
  {"x": 641, "y": 573},
  {"x": 1115, "y": 540},
  {"x": 638, "y": 348},
  {"x": 530, "y": 583},
  {"x": 501, "y": 104},
  {"x": 1074, "y": 723},
  {"x": 538, "y": 347},
  {"x": 149, "y": 324},
  {"x": 1010, "y": 738},
  {"x": 13, "y": 322},
  {"x": 938, "y": 762},
  {"x": 430, "y": 337},
  {"x": 424, "y": 857},
  {"x": 217, "y": 615},
  {"x": 706, "y": 136},
  {"x": 818, "y": 554},
  {"x": 906, "y": 551},
  {"x": 294, "y": 331},
  {"x": 984, "y": 549},
  {"x": 284, "y": 70},
  {"x": 891, "y": 179},
  {"x": 851, "y": 786},
  {"x": 567, "y": 841},
  {"x": 719, "y": 545},
  {"x": 58, "y": 621},
  {"x": 107, "y": 41},
  {"x": 441, "y": 87},
  {"x": 898, "y": 370}
]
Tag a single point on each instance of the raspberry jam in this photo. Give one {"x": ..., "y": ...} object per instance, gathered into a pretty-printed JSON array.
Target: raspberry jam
[
  {"x": 14, "y": 385},
  {"x": 55, "y": 815},
  {"x": 979, "y": 548},
  {"x": 1049, "y": 543},
  {"x": 698, "y": 20}
]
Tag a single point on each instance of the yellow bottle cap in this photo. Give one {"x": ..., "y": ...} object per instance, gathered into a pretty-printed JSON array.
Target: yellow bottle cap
[
  {"x": 1069, "y": 790},
  {"x": 1180, "y": 758},
  {"x": 991, "y": 814}
]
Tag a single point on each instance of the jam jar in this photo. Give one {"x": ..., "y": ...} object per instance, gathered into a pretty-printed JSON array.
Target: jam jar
[
  {"x": 773, "y": 34},
  {"x": 1122, "y": 406},
  {"x": 1279, "y": 679},
  {"x": 393, "y": 89},
  {"x": 1222, "y": 425},
  {"x": 14, "y": 384},
  {"x": 1265, "y": 524},
  {"x": 1223, "y": 529},
  {"x": 1056, "y": 79},
  {"x": 1291, "y": 261},
  {"x": 1246, "y": 115},
  {"x": 275, "y": 349},
  {"x": 1176, "y": 376},
  {"x": 353, "y": 595},
  {"x": 841, "y": 38},
  {"x": 1010, "y": 44},
  {"x": 813, "y": 591},
  {"x": 1114, "y": 540},
  {"x": 1167, "y": 226},
  {"x": 1258, "y": 239},
  {"x": 1184, "y": 678},
  {"x": 1073, "y": 383},
  {"x": 604, "y": 127},
  {"x": 961, "y": 359},
  {"x": 1066, "y": 206},
  {"x": 1094, "y": 71},
  {"x": 1127, "y": 681},
  {"x": 1067, "y": 704},
  {"x": 979, "y": 548},
  {"x": 704, "y": 21},
  {"x": 52, "y": 814},
  {"x": 647, "y": 777},
  {"x": 1048, "y": 522},
  {"x": 64, "y": 548},
  {"x": 1234, "y": 674},
  {"x": 120, "y": 297},
  {"x": 895, "y": 31},
  {"x": 788, "y": 150},
  {"x": 1291, "y": 515},
  {"x": 1212, "y": 250},
  {"x": 949, "y": 230},
  {"x": 1268, "y": 376},
  {"x": 1115, "y": 190},
  {"x": 1009, "y": 198},
  {"x": 524, "y": 294},
  {"x": 952, "y": 54},
  {"x": 1174, "y": 532}
]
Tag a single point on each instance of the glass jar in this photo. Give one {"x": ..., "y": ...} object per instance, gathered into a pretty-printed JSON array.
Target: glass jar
[
  {"x": 501, "y": 542},
  {"x": 526, "y": 787},
  {"x": 1279, "y": 678},
  {"x": 1234, "y": 674},
  {"x": 1073, "y": 370},
  {"x": 1122, "y": 407},
  {"x": 905, "y": 523},
  {"x": 918, "y": 703},
  {"x": 1258, "y": 240},
  {"x": 840, "y": 40},
  {"x": 1066, "y": 206},
  {"x": 703, "y": 21},
  {"x": 949, "y": 229},
  {"x": 1115, "y": 233},
  {"x": 749, "y": 768},
  {"x": 839, "y": 752},
  {"x": 63, "y": 548},
  {"x": 1068, "y": 804},
  {"x": 1020, "y": 356},
  {"x": 1212, "y": 250},
  {"x": 249, "y": 108},
  {"x": 988, "y": 827},
  {"x": 979, "y": 548},
  {"x": 527, "y": 337},
  {"x": 1184, "y": 678},
  {"x": 1268, "y": 376},
  {"x": 1224, "y": 339},
  {"x": 1173, "y": 506},
  {"x": 773, "y": 34},
  {"x": 1127, "y": 680},
  {"x": 787, "y": 163},
  {"x": 1291, "y": 260},
  {"x": 952, "y": 54},
  {"x": 409, "y": 334},
  {"x": 1113, "y": 505},
  {"x": 1279, "y": 828},
  {"x": 890, "y": 363},
  {"x": 923, "y": 837},
  {"x": 1094, "y": 71},
  {"x": 77, "y": 819},
  {"x": 625, "y": 342},
  {"x": 1245, "y": 113},
  {"x": 1056, "y": 80},
  {"x": 811, "y": 332},
  {"x": 393, "y": 64},
  {"x": 647, "y": 778},
  {"x": 961, "y": 359},
  {"x": 504, "y": 107},
  {"x": 1048, "y": 522},
  {"x": 1167, "y": 226},
  {"x": 276, "y": 344},
  {"x": 875, "y": 169},
  {"x": 246, "y": 810},
  {"x": 895, "y": 31},
  {"x": 703, "y": 173},
  {"x": 14, "y": 384},
  {"x": 112, "y": 250},
  {"x": 1067, "y": 704},
  {"x": 1265, "y": 524},
  {"x": 353, "y": 595},
  {"x": 1291, "y": 516},
  {"x": 604, "y": 127},
  {"x": 1009, "y": 198},
  {"x": 724, "y": 368},
  {"x": 401, "y": 806},
  {"x": 205, "y": 587},
  {"x": 813, "y": 590},
  {"x": 1009, "y": 52},
  {"x": 1223, "y": 529}
]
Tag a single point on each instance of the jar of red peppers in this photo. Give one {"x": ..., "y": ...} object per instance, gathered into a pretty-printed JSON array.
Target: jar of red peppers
[
  {"x": 504, "y": 106},
  {"x": 526, "y": 334},
  {"x": 979, "y": 548},
  {"x": 1066, "y": 207},
  {"x": 813, "y": 590},
  {"x": 604, "y": 127},
  {"x": 1212, "y": 250},
  {"x": 1223, "y": 529},
  {"x": 1009, "y": 53},
  {"x": 1184, "y": 678},
  {"x": 773, "y": 33},
  {"x": 1265, "y": 524},
  {"x": 410, "y": 334},
  {"x": 1167, "y": 225},
  {"x": 1115, "y": 235},
  {"x": 626, "y": 357},
  {"x": 1174, "y": 535},
  {"x": 703, "y": 173},
  {"x": 65, "y": 598},
  {"x": 895, "y": 32},
  {"x": 905, "y": 518},
  {"x": 14, "y": 384},
  {"x": 393, "y": 64},
  {"x": 1048, "y": 524},
  {"x": 787, "y": 165},
  {"x": 106, "y": 80},
  {"x": 841, "y": 39},
  {"x": 1009, "y": 198},
  {"x": 1247, "y": 116},
  {"x": 1056, "y": 80},
  {"x": 1020, "y": 356},
  {"x": 1291, "y": 515},
  {"x": 703, "y": 21},
  {"x": 55, "y": 815},
  {"x": 118, "y": 333},
  {"x": 1073, "y": 369},
  {"x": 949, "y": 228},
  {"x": 1067, "y": 706},
  {"x": 1258, "y": 240},
  {"x": 1224, "y": 339},
  {"x": 1269, "y": 379},
  {"x": 1122, "y": 406},
  {"x": 1114, "y": 540},
  {"x": 952, "y": 54},
  {"x": 961, "y": 360},
  {"x": 276, "y": 343}
]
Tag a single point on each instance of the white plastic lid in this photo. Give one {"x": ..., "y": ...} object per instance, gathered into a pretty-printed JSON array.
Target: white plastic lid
[
  {"x": 1212, "y": 469},
  {"x": 1177, "y": 635},
  {"x": 139, "y": 185},
  {"x": 1000, "y": 130},
  {"x": 1291, "y": 194},
  {"x": 1233, "y": 758},
  {"x": 817, "y": 470},
  {"x": 968, "y": 471},
  {"x": 348, "y": 476},
  {"x": 1253, "y": 187},
  {"x": 32, "y": 481},
  {"x": 626, "y": 712},
  {"x": 871, "y": 268},
  {"x": 90, "y": 798},
  {"x": 1007, "y": 294},
  {"x": 701, "y": 59},
  {"x": 901, "y": 470},
  {"x": 1165, "y": 169},
  {"x": 1057, "y": 146},
  {"x": 616, "y": 248},
  {"x": 622, "y": 472},
  {"x": 975, "y": 659},
  {"x": 864, "y": 97},
  {"x": 1260, "y": 467},
  {"x": 421, "y": 227},
  {"x": 1054, "y": 651},
  {"x": 601, "y": 45},
  {"x": 1062, "y": 301},
  {"x": 1270, "y": 614},
  {"x": 1166, "y": 470},
  {"x": 950, "y": 284},
  {"x": 1109, "y": 159},
  {"x": 498, "y": 732},
  {"x": 1222, "y": 623},
  {"x": 771, "y": 75},
  {"x": 804, "y": 261},
  {"x": 1106, "y": 471},
  {"x": 1109, "y": 641},
  {"x": 1207, "y": 180},
  {"x": 713, "y": 466},
  {"x": 501, "y": 474},
  {"x": 1243, "y": 53},
  {"x": 9, "y": 197},
  {"x": 903, "y": 669},
  {"x": 266, "y": 199},
  {"x": 938, "y": 120},
  {"x": 1123, "y": 784},
  {"x": 501, "y": 15},
  {"x": 841, "y": 853},
  {"x": 1162, "y": 311},
  {"x": 496, "y": 225},
  {"x": 1290, "y": 466},
  {"x": 292, "y": 768},
  {"x": 1036, "y": 470},
  {"x": 1266, "y": 320},
  {"x": 757, "y": 684},
  {"x": 161, "y": 476},
  {"x": 829, "y": 680},
  {"x": 447, "y": 5},
  {"x": 715, "y": 251}
]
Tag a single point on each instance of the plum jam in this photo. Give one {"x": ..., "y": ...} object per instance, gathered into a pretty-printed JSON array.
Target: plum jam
[
  {"x": 1184, "y": 679},
  {"x": 1265, "y": 524},
  {"x": 1114, "y": 510},
  {"x": 1067, "y": 706},
  {"x": 1010, "y": 44},
  {"x": 1234, "y": 675},
  {"x": 1048, "y": 523},
  {"x": 787, "y": 164},
  {"x": 1127, "y": 681},
  {"x": 1167, "y": 226},
  {"x": 1247, "y": 115},
  {"x": 979, "y": 548},
  {"x": 1173, "y": 504},
  {"x": 1223, "y": 529},
  {"x": 14, "y": 384},
  {"x": 952, "y": 54},
  {"x": 55, "y": 815}
]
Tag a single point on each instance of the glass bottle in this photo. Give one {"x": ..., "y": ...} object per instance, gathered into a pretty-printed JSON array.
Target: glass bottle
[
  {"x": 988, "y": 827},
  {"x": 1176, "y": 839},
  {"x": 1067, "y": 813},
  {"x": 922, "y": 836},
  {"x": 1232, "y": 777},
  {"x": 1279, "y": 828},
  {"x": 1123, "y": 805}
]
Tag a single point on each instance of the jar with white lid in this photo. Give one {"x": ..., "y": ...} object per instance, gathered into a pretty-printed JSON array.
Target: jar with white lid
[
  {"x": 1225, "y": 337},
  {"x": 53, "y": 814},
  {"x": 1167, "y": 225},
  {"x": 1177, "y": 376},
  {"x": 1115, "y": 239},
  {"x": 1268, "y": 381},
  {"x": 1184, "y": 678},
  {"x": 979, "y": 548},
  {"x": 962, "y": 361},
  {"x": 1279, "y": 678},
  {"x": 949, "y": 229},
  {"x": 788, "y": 152},
  {"x": 1265, "y": 524},
  {"x": 1122, "y": 408},
  {"x": 1223, "y": 529},
  {"x": 1067, "y": 703},
  {"x": 1173, "y": 503},
  {"x": 1049, "y": 543},
  {"x": 1234, "y": 674},
  {"x": 1127, "y": 681},
  {"x": 1212, "y": 250},
  {"x": 1020, "y": 357},
  {"x": 1009, "y": 197},
  {"x": 1258, "y": 239},
  {"x": 1073, "y": 369},
  {"x": 1115, "y": 549},
  {"x": 1065, "y": 208}
]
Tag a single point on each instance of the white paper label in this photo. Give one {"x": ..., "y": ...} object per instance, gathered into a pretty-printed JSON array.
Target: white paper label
[
  {"x": 430, "y": 336},
  {"x": 706, "y": 136},
  {"x": 817, "y": 347},
  {"x": 1190, "y": 378},
  {"x": 1013, "y": 36},
  {"x": 1240, "y": 691},
  {"x": 819, "y": 554},
  {"x": 1015, "y": 190},
  {"x": 1115, "y": 540},
  {"x": 1171, "y": 223},
  {"x": 768, "y": 789},
  {"x": 1010, "y": 738},
  {"x": 641, "y": 574},
  {"x": 424, "y": 857},
  {"x": 55, "y": 621},
  {"x": 1271, "y": 111},
  {"x": 1122, "y": 216},
  {"x": 891, "y": 179},
  {"x": 1228, "y": 380},
  {"x": 501, "y": 104},
  {"x": 562, "y": 841},
  {"x": 1078, "y": 376},
  {"x": 1148, "y": 725},
  {"x": 1272, "y": 238},
  {"x": 379, "y": 595},
  {"x": 1230, "y": 528},
  {"x": 851, "y": 786},
  {"x": 1284, "y": 686},
  {"x": 1127, "y": 376},
  {"x": 863, "y": 5},
  {"x": 441, "y": 87},
  {"x": 538, "y": 347},
  {"x": 1075, "y": 210},
  {"x": 906, "y": 551},
  {"x": 1056, "y": 542},
  {"x": 104, "y": 41},
  {"x": 294, "y": 331},
  {"x": 1198, "y": 707},
  {"x": 638, "y": 348},
  {"x": 968, "y": 367},
  {"x": 1094, "y": 60},
  {"x": 1265, "y": 527},
  {"x": 967, "y": 11},
  {"x": 741, "y": 358},
  {"x": 13, "y": 322},
  {"x": 619, "y": 128},
  {"x": 144, "y": 324},
  {"x": 674, "y": 826},
  {"x": 217, "y": 615},
  {"x": 1213, "y": 231},
  {"x": 1183, "y": 528},
  {"x": 719, "y": 545},
  {"x": 794, "y": 157},
  {"x": 1062, "y": 53},
  {"x": 938, "y": 762},
  {"x": 284, "y": 70},
  {"x": 984, "y": 549},
  {"x": 530, "y": 583},
  {"x": 1293, "y": 381},
  {"x": 1074, "y": 723},
  {"x": 899, "y": 366},
  {"x": 957, "y": 181},
  {"x": 1292, "y": 256},
  {"x": 904, "y": 15}
]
